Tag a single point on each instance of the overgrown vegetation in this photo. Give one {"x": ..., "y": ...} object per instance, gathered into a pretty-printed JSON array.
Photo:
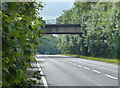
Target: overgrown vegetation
[
  {"x": 49, "y": 45},
  {"x": 21, "y": 34},
  {"x": 99, "y": 24}
]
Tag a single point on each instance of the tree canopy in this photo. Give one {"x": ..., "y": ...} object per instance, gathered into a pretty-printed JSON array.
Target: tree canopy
[
  {"x": 49, "y": 45},
  {"x": 99, "y": 24}
]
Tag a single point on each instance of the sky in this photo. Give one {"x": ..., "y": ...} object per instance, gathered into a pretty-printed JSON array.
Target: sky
[{"x": 54, "y": 8}]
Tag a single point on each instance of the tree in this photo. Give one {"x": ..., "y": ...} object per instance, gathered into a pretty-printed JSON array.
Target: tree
[
  {"x": 21, "y": 34},
  {"x": 99, "y": 24},
  {"x": 49, "y": 45}
]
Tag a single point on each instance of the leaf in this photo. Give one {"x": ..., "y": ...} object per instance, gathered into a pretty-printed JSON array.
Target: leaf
[
  {"x": 31, "y": 58},
  {"x": 5, "y": 69},
  {"x": 5, "y": 61},
  {"x": 15, "y": 33},
  {"x": 37, "y": 23},
  {"x": 43, "y": 23},
  {"x": 19, "y": 18},
  {"x": 28, "y": 19},
  {"x": 4, "y": 15},
  {"x": 8, "y": 20}
]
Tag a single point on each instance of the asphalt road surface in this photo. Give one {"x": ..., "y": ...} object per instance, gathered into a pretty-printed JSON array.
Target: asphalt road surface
[{"x": 60, "y": 70}]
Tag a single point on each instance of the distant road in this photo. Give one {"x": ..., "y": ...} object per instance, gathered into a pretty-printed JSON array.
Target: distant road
[{"x": 60, "y": 70}]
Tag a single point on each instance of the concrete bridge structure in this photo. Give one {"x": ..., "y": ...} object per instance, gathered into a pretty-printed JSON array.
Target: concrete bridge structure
[{"x": 52, "y": 28}]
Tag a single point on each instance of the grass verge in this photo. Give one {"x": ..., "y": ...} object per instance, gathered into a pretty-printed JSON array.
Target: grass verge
[{"x": 107, "y": 60}]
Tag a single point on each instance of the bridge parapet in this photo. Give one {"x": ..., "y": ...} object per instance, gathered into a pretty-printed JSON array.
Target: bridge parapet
[
  {"x": 55, "y": 21},
  {"x": 51, "y": 21},
  {"x": 53, "y": 27}
]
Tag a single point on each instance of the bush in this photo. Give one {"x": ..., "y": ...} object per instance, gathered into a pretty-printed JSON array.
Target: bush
[{"x": 21, "y": 34}]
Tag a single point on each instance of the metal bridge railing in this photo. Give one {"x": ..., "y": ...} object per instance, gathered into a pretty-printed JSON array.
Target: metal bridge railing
[
  {"x": 55, "y": 21},
  {"x": 51, "y": 21}
]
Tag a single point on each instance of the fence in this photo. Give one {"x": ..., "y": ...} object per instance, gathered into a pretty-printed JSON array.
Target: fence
[{"x": 55, "y": 21}]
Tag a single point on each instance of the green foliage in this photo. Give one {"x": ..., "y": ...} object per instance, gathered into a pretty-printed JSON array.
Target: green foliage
[
  {"x": 49, "y": 45},
  {"x": 99, "y": 24},
  {"x": 68, "y": 44},
  {"x": 21, "y": 34}
]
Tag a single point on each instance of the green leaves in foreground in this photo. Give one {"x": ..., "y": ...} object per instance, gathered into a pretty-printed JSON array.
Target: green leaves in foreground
[{"x": 21, "y": 34}]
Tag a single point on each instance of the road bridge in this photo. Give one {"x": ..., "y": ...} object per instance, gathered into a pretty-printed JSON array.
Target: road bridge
[{"x": 52, "y": 27}]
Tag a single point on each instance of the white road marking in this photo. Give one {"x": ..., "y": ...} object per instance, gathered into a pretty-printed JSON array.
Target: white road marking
[
  {"x": 43, "y": 78},
  {"x": 96, "y": 71},
  {"x": 79, "y": 65},
  {"x": 110, "y": 76},
  {"x": 87, "y": 68},
  {"x": 91, "y": 80},
  {"x": 45, "y": 82}
]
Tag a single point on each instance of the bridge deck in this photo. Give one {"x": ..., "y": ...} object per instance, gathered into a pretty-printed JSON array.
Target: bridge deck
[{"x": 62, "y": 29}]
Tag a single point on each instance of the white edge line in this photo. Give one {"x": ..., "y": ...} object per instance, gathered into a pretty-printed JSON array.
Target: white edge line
[
  {"x": 110, "y": 76},
  {"x": 43, "y": 78},
  {"x": 96, "y": 71}
]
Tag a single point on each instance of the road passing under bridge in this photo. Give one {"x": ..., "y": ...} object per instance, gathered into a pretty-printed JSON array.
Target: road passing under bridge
[{"x": 60, "y": 70}]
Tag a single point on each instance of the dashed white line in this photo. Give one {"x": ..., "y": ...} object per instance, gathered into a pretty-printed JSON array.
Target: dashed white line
[
  {"x": 79, "y": 65},
  {"x": 110, "y": 76},
  {"x": 45, "y": 82},
  {"x": 87, "y": 68},
  {"x": 96, "y": 71}
]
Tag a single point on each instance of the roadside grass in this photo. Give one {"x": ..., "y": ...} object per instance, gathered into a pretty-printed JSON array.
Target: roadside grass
[{"x": 107, "y": 60}]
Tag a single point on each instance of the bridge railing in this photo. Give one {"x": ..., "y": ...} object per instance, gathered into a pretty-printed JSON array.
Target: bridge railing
[
  {"x": 51, "y": 21},
  {"x": 61, "y": 27},
  {"x": 55, "y": 21}
]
